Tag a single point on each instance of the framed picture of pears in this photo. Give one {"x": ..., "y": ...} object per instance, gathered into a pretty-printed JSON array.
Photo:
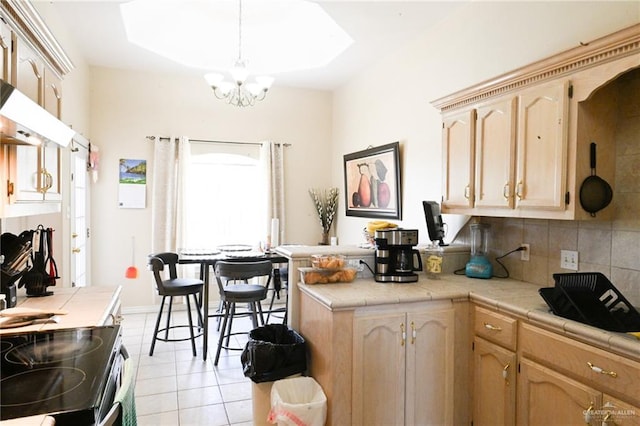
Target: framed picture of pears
[{"x": 372, "y": 182}]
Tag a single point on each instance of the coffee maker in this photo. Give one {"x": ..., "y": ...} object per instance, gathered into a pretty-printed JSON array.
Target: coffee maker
[{"x": 396, "y": 260}]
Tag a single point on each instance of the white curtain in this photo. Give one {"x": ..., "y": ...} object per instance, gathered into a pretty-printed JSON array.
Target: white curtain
[
  {"x": 170, "y": 160},
  {"x": 272, "y": 158}
]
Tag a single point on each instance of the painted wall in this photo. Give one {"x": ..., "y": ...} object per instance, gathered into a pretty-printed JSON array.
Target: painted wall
[{"x": 128, "y": 106}]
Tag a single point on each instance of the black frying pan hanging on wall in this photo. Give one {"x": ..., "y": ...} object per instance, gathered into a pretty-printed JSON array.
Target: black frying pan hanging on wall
[{"x": 595, "y": 192}]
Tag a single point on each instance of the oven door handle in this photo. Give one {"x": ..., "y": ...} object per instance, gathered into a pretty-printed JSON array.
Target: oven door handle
[{"x": 124, "y": 352}]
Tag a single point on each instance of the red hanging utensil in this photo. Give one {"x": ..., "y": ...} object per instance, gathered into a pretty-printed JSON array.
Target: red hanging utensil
[{"x": 132, "y": 271}]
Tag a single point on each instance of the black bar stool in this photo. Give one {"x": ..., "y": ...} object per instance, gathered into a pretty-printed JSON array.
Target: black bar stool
[
  {"x": 174, "y": 287},
  {"x": 233, "y": 286}
]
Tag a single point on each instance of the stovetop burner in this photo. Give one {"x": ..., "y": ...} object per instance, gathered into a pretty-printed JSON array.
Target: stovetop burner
[
  {"x": 57, "y": 371},
  {"x": 47, "y": 351},
  {"x": 26, "y": 387}
]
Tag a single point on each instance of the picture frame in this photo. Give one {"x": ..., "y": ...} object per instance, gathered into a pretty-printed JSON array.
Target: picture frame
[{"x": 372, "y": 182}]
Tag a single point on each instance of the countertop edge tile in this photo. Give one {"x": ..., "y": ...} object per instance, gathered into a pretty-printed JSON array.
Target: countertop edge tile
[{"x": 518, "y": 298}]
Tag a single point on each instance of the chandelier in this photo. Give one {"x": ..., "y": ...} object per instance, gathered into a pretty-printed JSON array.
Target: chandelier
[{"x": 238, "y": 92}]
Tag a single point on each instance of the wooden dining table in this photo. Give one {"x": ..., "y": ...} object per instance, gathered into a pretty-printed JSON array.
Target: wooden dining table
[{"x": 206, "y": 262}]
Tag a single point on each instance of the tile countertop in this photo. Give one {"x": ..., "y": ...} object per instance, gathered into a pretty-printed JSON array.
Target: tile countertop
[
  {"x": 85, "y": 307},
  {"x": 507, "y": 295}
]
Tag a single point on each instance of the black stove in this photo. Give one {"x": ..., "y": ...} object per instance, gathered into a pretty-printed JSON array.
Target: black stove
[{"x": 67, "y": 373}]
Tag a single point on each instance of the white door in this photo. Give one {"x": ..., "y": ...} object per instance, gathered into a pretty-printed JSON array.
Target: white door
[{"x": 79, "y": 201}]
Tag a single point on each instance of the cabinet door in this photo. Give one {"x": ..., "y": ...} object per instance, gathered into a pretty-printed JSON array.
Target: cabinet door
[
  {"x": 429, "y": 376},
  {"x": 542, "y": 147},
  {"x": 29, "y": 68},
  {"x": 495, "y": 154},
  {"x": 379, "y": 369},
  {"x": 619, "y": 413},
  {"x": 494, "y": 390},
  {"x": 5, "y": 52},
  {"x": 36, "y": 176},
  {"x": 27, "y": 179},
  {"x": 546, "y": 397},
  {"x": 458, "y": 142}
]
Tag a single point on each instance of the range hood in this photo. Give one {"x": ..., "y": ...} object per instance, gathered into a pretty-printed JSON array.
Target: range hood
[{"x": 22, "y": 121}]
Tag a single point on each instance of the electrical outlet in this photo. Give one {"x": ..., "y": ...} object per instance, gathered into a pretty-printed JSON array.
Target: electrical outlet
[
  {"x": 569, "y": 259},
  {"x": 524, "y": 254}
]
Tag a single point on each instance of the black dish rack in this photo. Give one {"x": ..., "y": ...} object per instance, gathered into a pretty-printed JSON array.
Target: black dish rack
[{"x": 590, "y": 298}]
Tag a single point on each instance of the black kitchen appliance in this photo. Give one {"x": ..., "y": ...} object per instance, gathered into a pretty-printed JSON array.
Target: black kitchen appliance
[
  {"x": 435, "y": 226},
  {"x": 396, "y": 260},
  {"x": 70, "y": 374}
]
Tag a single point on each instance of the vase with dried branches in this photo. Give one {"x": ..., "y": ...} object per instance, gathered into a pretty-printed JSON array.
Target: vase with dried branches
[{"x": 326, "y": 203}]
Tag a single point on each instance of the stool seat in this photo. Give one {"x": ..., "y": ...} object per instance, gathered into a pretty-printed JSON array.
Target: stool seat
[
  {"x": 180, "y": 287},
  {"x": 174, "y": 287},
  {"x": 243, "y": 292}
]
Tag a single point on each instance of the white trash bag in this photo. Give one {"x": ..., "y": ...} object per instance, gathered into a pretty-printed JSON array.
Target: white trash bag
[{"x": 298, "y": 401}]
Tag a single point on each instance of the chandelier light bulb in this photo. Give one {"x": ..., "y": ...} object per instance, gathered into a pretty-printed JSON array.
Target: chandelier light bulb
[
  {"x": 264, "y": 81},
  {"x": 239, "y": 72},
  {"x": 238, "y": 93},
  {"x": 213, "y": 79}
]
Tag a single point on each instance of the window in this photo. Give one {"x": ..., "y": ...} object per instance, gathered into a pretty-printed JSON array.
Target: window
[{"x": 225, "y": 199}]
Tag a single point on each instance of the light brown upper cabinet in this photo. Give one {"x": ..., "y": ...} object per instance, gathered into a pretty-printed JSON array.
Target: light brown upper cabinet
[
  {"x": 542, "y": 147},
  {"x": 496, "y": 154},
  {"x": 518, "y": 145},
  {"x": 5, "y": 51},
  {"x": 458, "y": 159}
]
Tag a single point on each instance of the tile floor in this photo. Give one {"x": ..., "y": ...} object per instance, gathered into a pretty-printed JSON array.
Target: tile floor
[{"x": 175, "y": 388}]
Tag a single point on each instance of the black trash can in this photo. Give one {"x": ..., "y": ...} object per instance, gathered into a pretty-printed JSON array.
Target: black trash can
[{"x": 273, "y": 352}]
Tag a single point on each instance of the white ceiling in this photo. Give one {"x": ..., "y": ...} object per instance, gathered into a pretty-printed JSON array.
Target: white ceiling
[{"x": 377, "y": 27}]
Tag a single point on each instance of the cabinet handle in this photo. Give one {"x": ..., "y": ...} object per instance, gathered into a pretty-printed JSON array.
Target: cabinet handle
[
  {"x": 74, "y": 235},
  {"x": 48, "y": 178},
  {"x": 46, "y": 181},
  {"x": 404, "y": 334},
  {"x": 75, "y": 250},
  {"x": 587, "y": 414},
  {"x": 519, "y": 190},
  {"x": 505, "y": 191},
  {"x": 467, "y": 191},
  {"x": 492, "y": 327},
  {"x": 413, "y": 333},
  {"x": 601, "y": 371},
  {"x": 505, "y": 373}
]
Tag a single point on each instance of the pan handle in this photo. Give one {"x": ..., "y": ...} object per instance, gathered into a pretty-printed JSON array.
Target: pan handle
[{"x": 592, "y": 158}]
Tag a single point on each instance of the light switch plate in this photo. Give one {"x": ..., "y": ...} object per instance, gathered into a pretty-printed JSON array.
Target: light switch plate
[{"x": 569, "y": 259}]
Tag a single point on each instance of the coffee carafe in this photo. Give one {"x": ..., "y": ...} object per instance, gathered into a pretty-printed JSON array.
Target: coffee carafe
[{"x": 396, "y": 258}]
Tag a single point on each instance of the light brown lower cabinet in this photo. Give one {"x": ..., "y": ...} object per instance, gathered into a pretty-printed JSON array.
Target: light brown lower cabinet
[
  {"x": 403, "y": 366},
  {"x": 494, "y": 379},
  {"x": 526, "y": 375},
  {"x": 546, "y": 397}
]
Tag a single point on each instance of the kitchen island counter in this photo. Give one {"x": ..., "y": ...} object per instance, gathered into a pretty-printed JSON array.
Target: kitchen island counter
[{"x": 510, "y": 296}]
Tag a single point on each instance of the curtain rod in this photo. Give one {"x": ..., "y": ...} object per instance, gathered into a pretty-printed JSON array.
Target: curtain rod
[{"x": 153, "y": 138}]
